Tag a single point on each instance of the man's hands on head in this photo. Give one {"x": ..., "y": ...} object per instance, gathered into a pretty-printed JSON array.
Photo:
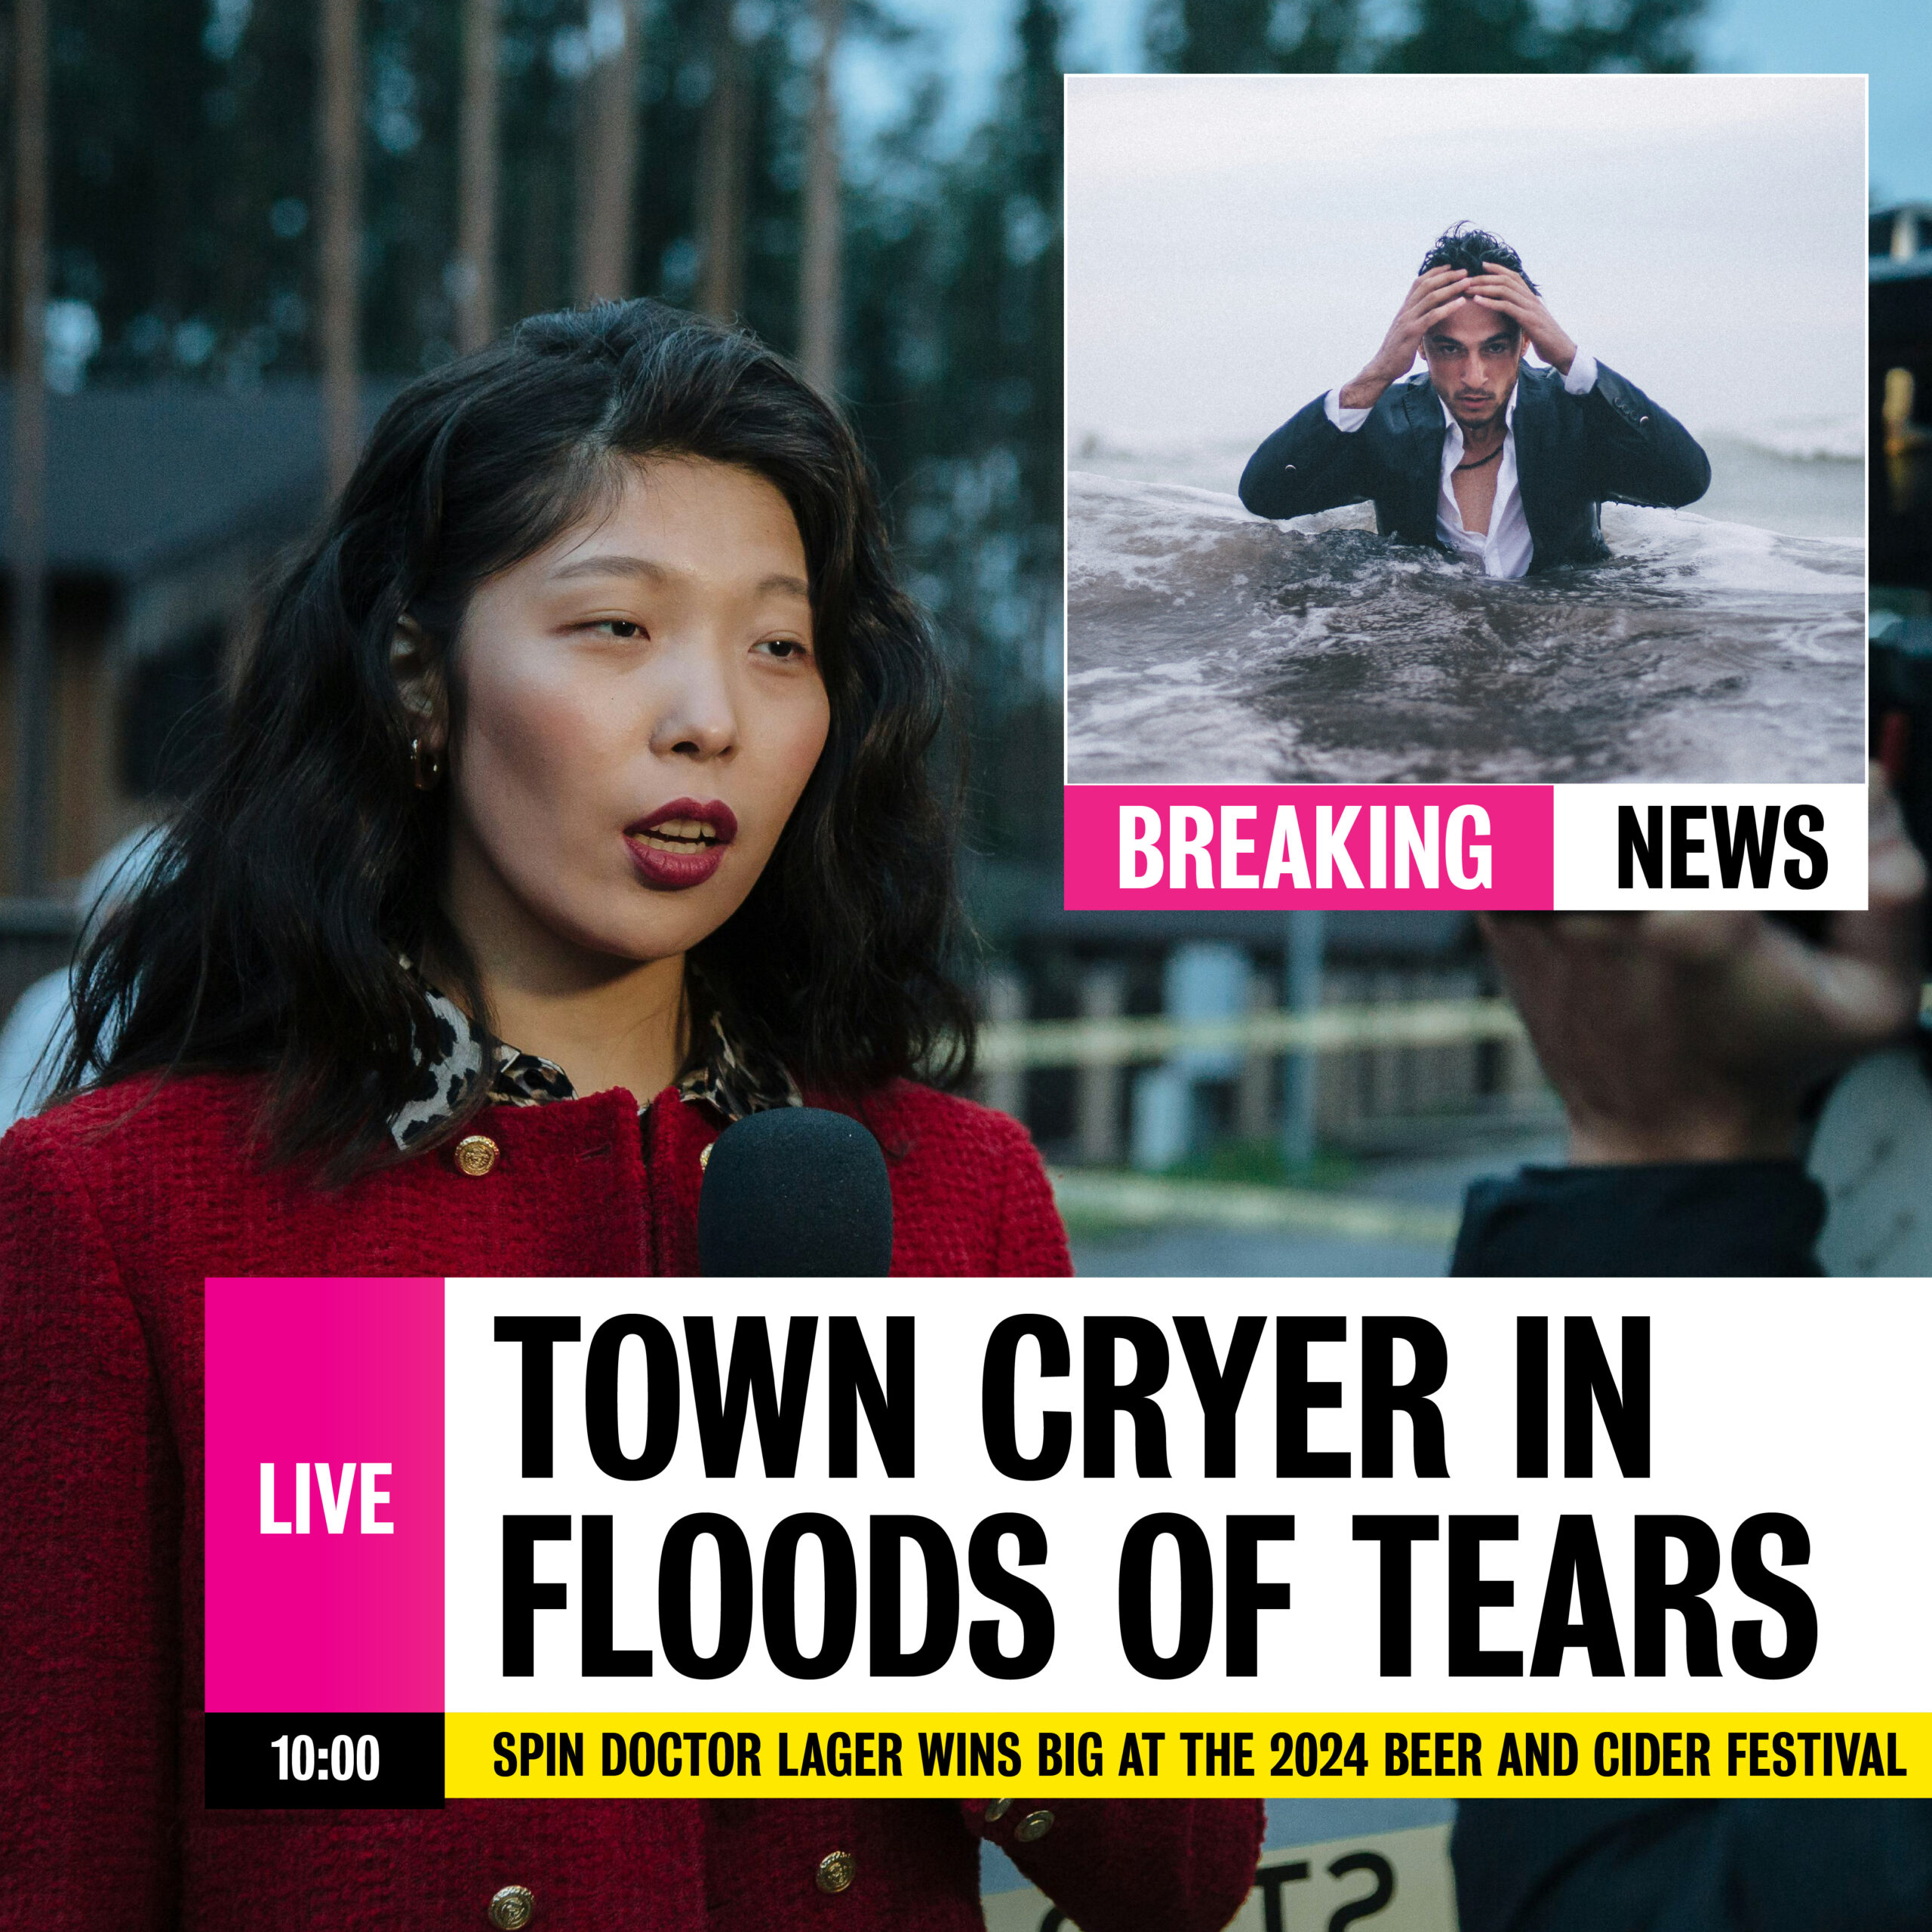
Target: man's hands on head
[
  {"x": 1695, "y": 1036},
  {"x": 1504, "y": 289},
  {"x": 1430, "y": 298}
]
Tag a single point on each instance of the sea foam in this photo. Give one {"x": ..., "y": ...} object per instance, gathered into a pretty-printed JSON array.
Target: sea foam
[{"x": 1204, "y": 644}]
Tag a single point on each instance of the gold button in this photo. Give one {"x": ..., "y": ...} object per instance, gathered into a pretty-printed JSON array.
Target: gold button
[
  {"x": 1033, "y": 1827},
  {"x": 476, "y": 1154},
  {"x": 704, "y": 1157},
  {"x": 997, "y": 1809},
  {"x": 513, "y": 1907},
  {"x": 835, "y": 1872}
]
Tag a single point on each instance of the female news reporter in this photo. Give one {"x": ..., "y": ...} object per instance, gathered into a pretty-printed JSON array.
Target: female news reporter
[{"x": 580, "y": 763}]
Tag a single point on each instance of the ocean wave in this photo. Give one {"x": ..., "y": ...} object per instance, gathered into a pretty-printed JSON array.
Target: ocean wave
[
  {"x": 1800, "y": 438},
  {"x": 1204, "y": 644}
]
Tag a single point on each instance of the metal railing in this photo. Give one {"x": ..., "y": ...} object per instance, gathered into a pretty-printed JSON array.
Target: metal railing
[
  {"x": 1018, "y": 1046},
  {"x": 1127, "y": 1200}
]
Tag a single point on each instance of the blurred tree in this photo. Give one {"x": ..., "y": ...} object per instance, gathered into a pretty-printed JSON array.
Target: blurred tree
[
  {"x": 955, "y": 370},
  {"x": 820, "y": 267},
  {"x": 1211, "y": 36},
  {"x": 473, "y": 280},
  {"x": 1327, "y": 37},
  {"x": 186, "y": 212},
  {"x": 1641, "y": 36},
  {"x": 543, "y": 53},
  {"x": 722, "y": 168},
  {"x": 338, "y": 175},
  {"x": 132, "y": 185},
  {"x": 1473, "y": 37},
  {"x": 1443, "y": 36},
  {"x": 607, "y": 140},
  {"x": 30, "y": 667},
  {"x": 1511, "y": 36},
  {"x": 259, "y": 318}
]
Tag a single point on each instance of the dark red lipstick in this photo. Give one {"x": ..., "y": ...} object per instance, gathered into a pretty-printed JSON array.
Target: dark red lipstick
[{"x": 680, "y": 844}]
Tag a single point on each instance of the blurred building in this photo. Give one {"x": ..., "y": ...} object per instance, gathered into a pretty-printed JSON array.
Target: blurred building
[
  {"x": 1372, "y": 1101},
  {"x": 166, "y": 505}
]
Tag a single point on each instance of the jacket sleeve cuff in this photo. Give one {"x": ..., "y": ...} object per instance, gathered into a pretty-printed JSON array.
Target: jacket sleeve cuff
[
  {"x": 1347, "y": 420},
  {"x": 1118, "y": 1865},
  {"x": 1711, "y": 1217}
]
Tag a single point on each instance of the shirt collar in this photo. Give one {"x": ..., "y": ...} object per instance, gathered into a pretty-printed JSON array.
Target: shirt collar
[{"x": 452, "y": 1061}]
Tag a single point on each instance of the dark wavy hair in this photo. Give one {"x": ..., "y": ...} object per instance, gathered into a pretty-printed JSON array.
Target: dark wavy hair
[
  {"x": 1468, "y": 248},
  {"x": 271, "y": 932}
]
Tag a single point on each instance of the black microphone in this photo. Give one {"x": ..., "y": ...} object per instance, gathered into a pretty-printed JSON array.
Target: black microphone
[{"x": 795, "y": 1191}]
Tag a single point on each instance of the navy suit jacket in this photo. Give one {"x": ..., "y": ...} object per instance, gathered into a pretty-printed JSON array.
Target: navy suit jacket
[{"x": 1612, "y": 445}]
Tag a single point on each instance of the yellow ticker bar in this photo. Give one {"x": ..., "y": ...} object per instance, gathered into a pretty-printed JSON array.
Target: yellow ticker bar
[{"x": 1398, "y": 1754}]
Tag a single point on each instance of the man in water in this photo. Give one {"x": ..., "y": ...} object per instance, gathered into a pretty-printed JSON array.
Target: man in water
[{"x": 1496, "y": 461}]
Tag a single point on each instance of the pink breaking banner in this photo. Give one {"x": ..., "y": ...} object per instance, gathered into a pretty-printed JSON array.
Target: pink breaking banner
[
  {"x": 325, "y": 1495},
  {"x": 1237, "y": 847}
]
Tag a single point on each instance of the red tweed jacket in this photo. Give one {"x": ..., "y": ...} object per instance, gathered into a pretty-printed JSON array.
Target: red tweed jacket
[{"x": 109, "y": 1220}]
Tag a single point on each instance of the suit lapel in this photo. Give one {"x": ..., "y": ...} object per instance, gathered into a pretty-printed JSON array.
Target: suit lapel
[
  {"x": 1425, "y": 432},
  {"x": 1533, "y": 427}
]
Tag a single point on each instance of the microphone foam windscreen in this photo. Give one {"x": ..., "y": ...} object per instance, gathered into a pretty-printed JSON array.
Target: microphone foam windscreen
[{"x": 796, "y": 1191}]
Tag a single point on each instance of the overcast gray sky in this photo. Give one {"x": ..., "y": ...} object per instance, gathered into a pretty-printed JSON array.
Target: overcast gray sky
[{"x": 1236, "y": 244}]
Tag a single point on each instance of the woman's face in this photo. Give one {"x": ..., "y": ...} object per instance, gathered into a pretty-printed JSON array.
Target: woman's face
[{"x": 638, "y": 707}]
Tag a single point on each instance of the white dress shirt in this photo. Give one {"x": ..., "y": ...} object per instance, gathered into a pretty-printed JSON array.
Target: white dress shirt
[{"x": 1505, "y": 550}]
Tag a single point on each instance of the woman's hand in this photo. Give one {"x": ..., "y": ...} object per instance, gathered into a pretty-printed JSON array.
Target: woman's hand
[{"x": 1694, "y": 1036}]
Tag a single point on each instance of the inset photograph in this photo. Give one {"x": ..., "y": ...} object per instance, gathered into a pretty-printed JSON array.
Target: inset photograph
[{"x": 1503, "y": 429}]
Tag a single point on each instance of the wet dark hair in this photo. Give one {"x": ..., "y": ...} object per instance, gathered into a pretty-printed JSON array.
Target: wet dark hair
[
  {"x": 1467, "y": 248},
  {"x": 270, "y": 933}
]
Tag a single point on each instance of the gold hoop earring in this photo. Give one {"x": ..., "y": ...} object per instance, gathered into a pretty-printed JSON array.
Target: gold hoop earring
[{"x": 425, "y": 765}]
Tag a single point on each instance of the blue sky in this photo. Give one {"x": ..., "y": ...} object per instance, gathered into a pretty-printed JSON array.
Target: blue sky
[{"x": 1889, "y": 39}]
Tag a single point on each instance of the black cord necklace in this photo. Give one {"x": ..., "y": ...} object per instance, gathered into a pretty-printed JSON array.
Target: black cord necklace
[{"x": 1484, "y": 464}]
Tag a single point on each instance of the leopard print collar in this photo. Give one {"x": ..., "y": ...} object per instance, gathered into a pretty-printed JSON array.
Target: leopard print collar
[{"x": 724, "y": 1078}]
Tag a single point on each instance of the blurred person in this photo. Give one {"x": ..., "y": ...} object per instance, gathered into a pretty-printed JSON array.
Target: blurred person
[
  {"x": 1685, "y": 1047},
  {"x": 39, "y": 1032},
  {"x": 1719, "y": 1864},
  {"x": 1498, "y": 462},
  {"x": 573, "y": 803}
]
